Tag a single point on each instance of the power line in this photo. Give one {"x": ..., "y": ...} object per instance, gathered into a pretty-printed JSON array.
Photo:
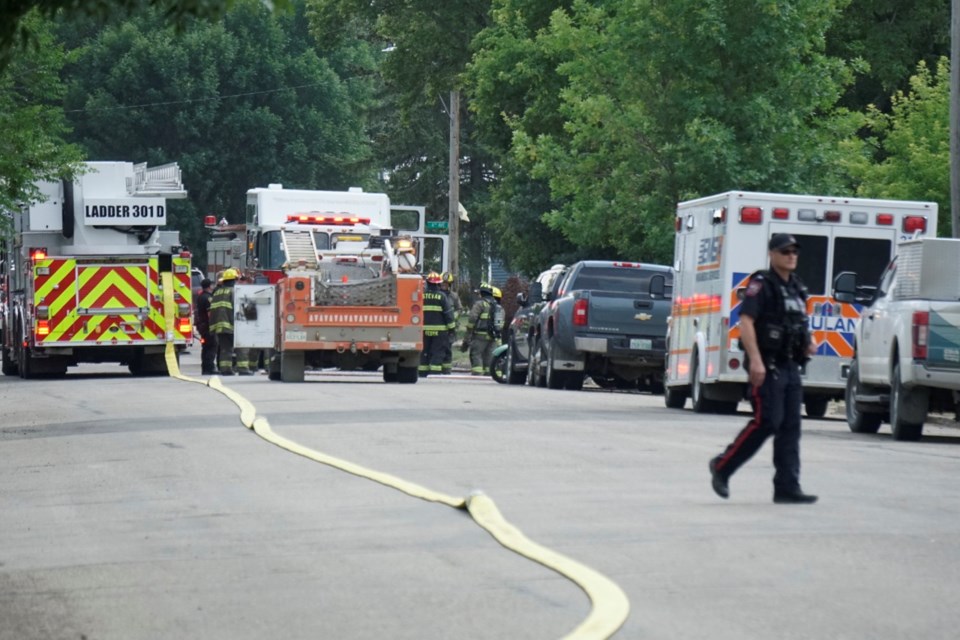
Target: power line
[{"x": 217, "y": 97}]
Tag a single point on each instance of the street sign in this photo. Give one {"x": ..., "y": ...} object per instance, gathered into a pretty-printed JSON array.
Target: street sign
[{"x": 437, "y": 225}]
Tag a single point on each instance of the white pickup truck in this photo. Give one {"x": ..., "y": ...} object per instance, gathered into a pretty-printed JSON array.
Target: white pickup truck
[{"x": 907, "y": 358}]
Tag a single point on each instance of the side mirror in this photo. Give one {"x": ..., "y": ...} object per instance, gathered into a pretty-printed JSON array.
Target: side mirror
[
  {"x": 536, "y": 293},
  {"x": 658, "y": 285},
  {"x": 845, "y": 287}
]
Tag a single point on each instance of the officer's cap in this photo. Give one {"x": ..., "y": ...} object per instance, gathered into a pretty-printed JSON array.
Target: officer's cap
[{"x": 782, "y": 241}]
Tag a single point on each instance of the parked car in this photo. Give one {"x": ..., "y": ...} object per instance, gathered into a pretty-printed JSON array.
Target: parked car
[
  {"x": 606, "y": 320},
  {"x": 521, "y": 327}
]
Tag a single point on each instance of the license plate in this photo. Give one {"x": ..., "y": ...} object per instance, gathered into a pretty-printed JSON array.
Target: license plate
[
  {"x": 296, "y": 336},
  {"x": 641, "y": 344}
]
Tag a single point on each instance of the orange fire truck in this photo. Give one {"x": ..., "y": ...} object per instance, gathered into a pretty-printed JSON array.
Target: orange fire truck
[
  {"x": 81, "y": 273},
  {"x": 335, "y": 284}
]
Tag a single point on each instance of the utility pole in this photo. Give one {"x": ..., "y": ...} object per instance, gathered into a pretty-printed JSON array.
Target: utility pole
[
  {"x": 454, "y": 220},
  {"x": 954, "y": 117}
]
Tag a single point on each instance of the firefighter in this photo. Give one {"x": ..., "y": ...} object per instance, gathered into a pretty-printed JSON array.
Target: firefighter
[
  {"x": 497, "y": 315},
  {"x": 776, "y": 340},
  {"x": 221, "y": 320},
  {"x": 480, "y": 336},
  {"x": 208, "y": 344},
  {"x": 438, "y": 322},
  {"x": 446, "y": 285}
]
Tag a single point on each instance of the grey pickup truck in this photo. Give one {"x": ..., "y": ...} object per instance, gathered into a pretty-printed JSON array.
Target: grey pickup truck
[{"x": 606, "y": 320}]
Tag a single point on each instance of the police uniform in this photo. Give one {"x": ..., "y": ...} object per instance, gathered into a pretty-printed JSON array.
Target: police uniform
[{"x": 778, "y": 309}]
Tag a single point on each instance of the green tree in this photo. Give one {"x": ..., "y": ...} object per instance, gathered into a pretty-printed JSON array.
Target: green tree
[
  {"x": 239, "y": 104},
  {"x": 906, "y": 154},
  {"x": 32, "y": 123}
]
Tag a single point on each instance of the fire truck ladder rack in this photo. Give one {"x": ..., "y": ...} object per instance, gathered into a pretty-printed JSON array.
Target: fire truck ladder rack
[
  {"x": 300, "y": 249},
  {"x": 164, "y": 180}
]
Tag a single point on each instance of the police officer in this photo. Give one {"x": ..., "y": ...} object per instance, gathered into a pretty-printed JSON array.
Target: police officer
[
  {"x": 221, "y": 320},
  {"x": 775, "y": 338},
  {"x": 438, "y": 321}
]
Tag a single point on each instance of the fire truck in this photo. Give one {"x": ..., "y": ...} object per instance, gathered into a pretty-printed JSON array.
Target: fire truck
[
  {"x": 82, "y": 272},
  {"x": 722, "y": 239},
  {"x": 335, "y": 283}
]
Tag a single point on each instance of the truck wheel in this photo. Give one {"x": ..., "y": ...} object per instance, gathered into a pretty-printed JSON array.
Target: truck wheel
[
  {"x": 908, "y": 408},
  {"x": 390, "y": 372},
  {"x": 498, "y": 369},
  {"x": 675, "y": 397},
  {"x": 408, "y": 375},
  {"x": 513, "y": 376},
  {"x": 9, "y": 365},
  {"x": 273, "y": 368},
  {"x": 858, "y": 421},
  {"x": 574, "y": 380},
  {"x": 555, "y": 379},
  {"x": 816, "y": 407},
  {"x": 700, "y": 404},
  {"x": 291, "y": 366}
]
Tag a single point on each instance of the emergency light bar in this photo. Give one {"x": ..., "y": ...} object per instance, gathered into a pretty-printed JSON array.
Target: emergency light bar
[
  {"x": 338, "y": 220},
  {"x": 912, "y": 224}
]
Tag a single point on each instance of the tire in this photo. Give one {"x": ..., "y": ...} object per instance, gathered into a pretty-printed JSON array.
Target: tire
[
  {"x": 816, "y": 406},
  {"x": 390, "y": 373},
  {"x": 514, "y": 377},
  {"x": 408, "y": 375},
  {"x": 700, "y": 404},
  {"x": 574, "y": 380},
  {"x": 9, "y": 365},
  {"x": 858, "y": 421},
  {"x": 554, "y": 379},
  {"x": 675, "y": 397},
  {"x": 498, "y": 368},
  {"x": 908, "y": 408},
  {"x": 291, "y": 366},
  {"x": 273, "y": 368}
]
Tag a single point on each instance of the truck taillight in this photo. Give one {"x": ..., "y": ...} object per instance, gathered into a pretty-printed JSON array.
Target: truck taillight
[
  {"x": 43, "y": 328},
  {"x": 914, "y": 223},
  {"x": 183, "y": 326},
  {"x": 580, "y": 312},
  {"x": 751, "y": 215},
  {"x": 921, "y": 334}
]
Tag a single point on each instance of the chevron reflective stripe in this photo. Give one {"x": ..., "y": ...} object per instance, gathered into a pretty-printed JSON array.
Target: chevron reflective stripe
[
  {"x": 359, "y": 318},
  {"x": 96, "y": 303}
]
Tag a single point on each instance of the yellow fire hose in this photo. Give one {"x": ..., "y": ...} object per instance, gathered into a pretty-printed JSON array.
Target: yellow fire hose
[{"x": 609, "y": 604}]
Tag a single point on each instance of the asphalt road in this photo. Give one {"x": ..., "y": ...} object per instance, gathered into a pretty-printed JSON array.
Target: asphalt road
[{"x": 142, "y": 508}]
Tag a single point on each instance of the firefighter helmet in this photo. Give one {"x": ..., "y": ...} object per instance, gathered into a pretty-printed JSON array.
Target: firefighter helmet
[
  {"x": 485, "y": 289},
  {"x": 497, "y": 293},
  {"x": 447, "y": 277},
  {"x": 230, "y": 274},
  {"x": 433, "y": 277}
]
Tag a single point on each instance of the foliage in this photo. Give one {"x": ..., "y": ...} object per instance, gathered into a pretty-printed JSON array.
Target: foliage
[
  {"x": 239, "y": 104},
  {"x": 663, "y": 102},
  {"x": 906, "y": 155},
  {"x": 32, "y": 124}
]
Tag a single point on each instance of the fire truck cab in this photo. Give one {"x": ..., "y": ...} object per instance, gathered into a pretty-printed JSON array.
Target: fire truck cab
[{"x": 722, "y": 239}]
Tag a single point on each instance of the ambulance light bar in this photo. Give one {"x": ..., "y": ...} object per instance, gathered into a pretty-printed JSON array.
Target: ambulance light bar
[
  {"x": 885, "y": 219},
  {"x": 337, "y": 220},
  {"x": 859, "y": 217},
  {"x": 780, "y": 213},
  {"x": 751, "y": 215},
  {"x": 912, "y": 224}
]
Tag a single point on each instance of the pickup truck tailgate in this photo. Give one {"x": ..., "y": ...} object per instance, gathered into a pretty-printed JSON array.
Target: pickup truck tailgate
[
  {"x": 633, "y": 317},
  {"x": 943, "y": 350}
]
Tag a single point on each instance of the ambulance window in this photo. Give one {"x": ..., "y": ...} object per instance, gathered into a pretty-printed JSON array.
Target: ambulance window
[
  {"x": 812, "y": 265},
  {"x": 864, "y": 256}
]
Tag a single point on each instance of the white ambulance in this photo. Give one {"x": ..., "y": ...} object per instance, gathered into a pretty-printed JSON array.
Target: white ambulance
[{"x": 722, "y": 239}]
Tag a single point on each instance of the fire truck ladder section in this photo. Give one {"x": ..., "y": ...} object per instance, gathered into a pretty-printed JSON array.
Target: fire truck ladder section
[{"x": 300, "y": 249}]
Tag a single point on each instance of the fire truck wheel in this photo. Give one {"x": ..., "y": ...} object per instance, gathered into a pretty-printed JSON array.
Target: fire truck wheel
[
  {"x": 390, "y": 372},
  {"x": 291, "y": 366},
  {"x": 9, "y": 365},
  {"x": 407, "y": 375}
]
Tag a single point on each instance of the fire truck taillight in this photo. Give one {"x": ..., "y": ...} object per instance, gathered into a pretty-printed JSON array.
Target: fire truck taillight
[
  {"x": 885, "y": 219},
  {"x": 580, "y": 308},
  {"x": 734, "y": 363},
  {"x": 183, "y": 326},
  {"x": 43, "y": 327},
  {"x": 38, "y": 253},
  {"x": 751, "y": 215},
  {"x": 914, "y": 223},
  {"x": 780, "y": 213}
]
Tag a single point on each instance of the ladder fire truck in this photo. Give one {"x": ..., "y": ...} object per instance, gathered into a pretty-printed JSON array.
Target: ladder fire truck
[
  {"x": 335, "y": 283},
  {"x": 81, "y": 273},
  {"x": 722, "y": 239}
]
